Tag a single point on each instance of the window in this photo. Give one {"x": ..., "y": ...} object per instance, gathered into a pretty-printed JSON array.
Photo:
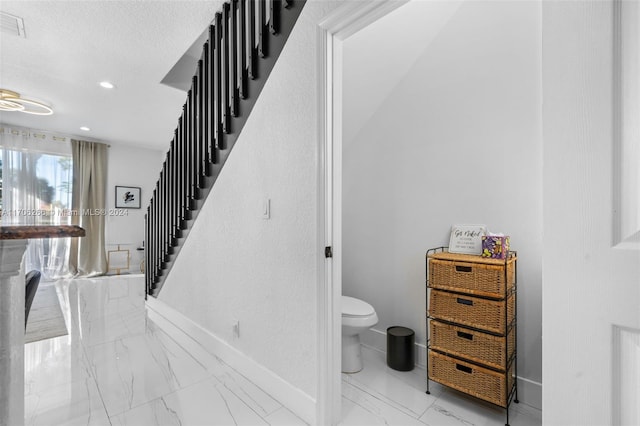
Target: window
[{"x": 36, "y": 173}]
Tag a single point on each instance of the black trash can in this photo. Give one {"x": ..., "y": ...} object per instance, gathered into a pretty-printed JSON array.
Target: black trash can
[{"x": 400, "y": 341}]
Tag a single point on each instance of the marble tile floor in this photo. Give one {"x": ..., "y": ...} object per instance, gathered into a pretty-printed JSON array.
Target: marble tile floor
[
  {"x": 379, "y": 395},
  {"x": 119, "y": 367},
  {"x": 122, "y": 365}
]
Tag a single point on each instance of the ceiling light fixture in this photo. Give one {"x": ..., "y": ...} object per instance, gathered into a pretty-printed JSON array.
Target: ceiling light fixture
[
  {"x": 85, "y": 128},
  {"x": 107, "y": 85},
  {"x": 11, "y": 101}
]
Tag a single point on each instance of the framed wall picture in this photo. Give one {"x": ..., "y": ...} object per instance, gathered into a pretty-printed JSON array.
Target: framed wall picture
[{"x": 127, "y": 197}]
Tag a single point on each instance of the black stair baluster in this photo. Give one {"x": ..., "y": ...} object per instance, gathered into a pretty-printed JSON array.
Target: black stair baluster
[
  {"x": 189, "y": 169},
  {"x": 187, "y": 157},
  {"x": 226, "y": 112},
  {"x": 148, "y": 245},
  {"x": 167, "y": 189},
  {"x": 161, "y": 216},
  {"x": 145, "y": 271},
  {"x": 274, "y": 21},
  {"x": 242, "y": 19},
  {"x": 202, "y": 125},
  {"x": 197, "y": 132},
  {"x": 251, "y": 22},
  {"x": 197, "y": 154},
  {"x": 183, "y": 175},
  {"x": 194, "y": 137},
  {"x": 204, "y": 94},
  {"x": 167, "y": 198},
  {"x": 167, "y": 208},
  {"x": 156, "y": 216},
  {"x": 218, "y": 78},
  {"x": 183, "y": 160},
  {"x": 158, "y": 228},
  {"x": 202, "y": 122},
  {"x": 194, "y": 140},
  {"x": 176, "y": 176},
  {"x": 170, "y": 200},
  {"x": 233, "y": 31},
  {"x": 188, "y": 151},
  {"x": 156, "y": 254},
  {"x": 211, "y": 98},
  {"x": 174, "y": 189},
  {"x": 263, "y": 47},
  {"x": 151, "y": 247},
  {"x": 202, "y": 141},
  {"x": 158, "y": 233},
  {"x": 165, "y": 228},
  {"x": 167, "y": 178},
  {"x": 180, "y": 176},
  {"x": 194, "y": 134}
]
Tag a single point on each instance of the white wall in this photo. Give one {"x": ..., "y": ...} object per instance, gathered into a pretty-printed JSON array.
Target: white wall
[
  {"x": 456, "y": 140},
  {"x": 130, "y": 166},
  {"x": 236, "y": 266}
]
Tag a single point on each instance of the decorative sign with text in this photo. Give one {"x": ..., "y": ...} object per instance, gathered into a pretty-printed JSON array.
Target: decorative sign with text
[{"x": 467, "y": 239}]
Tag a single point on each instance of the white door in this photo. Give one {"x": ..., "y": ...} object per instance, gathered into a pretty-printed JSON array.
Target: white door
[{"x": 591, "y": 261}]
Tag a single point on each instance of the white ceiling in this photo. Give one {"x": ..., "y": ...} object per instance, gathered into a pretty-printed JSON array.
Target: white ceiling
[{"x": 71, "y": 46}]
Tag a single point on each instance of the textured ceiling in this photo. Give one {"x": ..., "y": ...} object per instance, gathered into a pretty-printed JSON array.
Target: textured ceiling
[{"x": 71, "y": 46}]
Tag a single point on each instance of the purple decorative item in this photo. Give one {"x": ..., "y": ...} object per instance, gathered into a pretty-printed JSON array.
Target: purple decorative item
[{"x": 495, "y": 246}]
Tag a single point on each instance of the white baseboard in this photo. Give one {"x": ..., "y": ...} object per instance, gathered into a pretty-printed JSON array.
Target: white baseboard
[
  {"x": 529, "y": 391},
  {"x": 299, "y": 402}
]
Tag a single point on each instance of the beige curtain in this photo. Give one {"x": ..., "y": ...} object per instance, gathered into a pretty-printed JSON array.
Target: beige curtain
[{"x": 88, "y": 255}]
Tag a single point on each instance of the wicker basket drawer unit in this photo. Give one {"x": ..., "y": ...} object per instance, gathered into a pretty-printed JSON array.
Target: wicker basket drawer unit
[
  {"x": 469, "y": 378},
  {"x": 472, "y": 325},
  {"x": 471, "y": 274},
  {"x": 473, "y": 345},
  {"x": 484, "y": 314}
]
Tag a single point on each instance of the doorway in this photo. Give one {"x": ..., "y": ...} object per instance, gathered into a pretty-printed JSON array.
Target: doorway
[
  {"x": 468, "y": 94},
  {"x": 581, "y": 218}
]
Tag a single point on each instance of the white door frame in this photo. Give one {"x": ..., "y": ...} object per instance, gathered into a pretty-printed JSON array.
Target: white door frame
[{"x": 331, "y": 33}]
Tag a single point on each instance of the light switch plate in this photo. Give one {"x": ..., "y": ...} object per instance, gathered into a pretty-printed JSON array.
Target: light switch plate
[{"x": 266, "y": 208}]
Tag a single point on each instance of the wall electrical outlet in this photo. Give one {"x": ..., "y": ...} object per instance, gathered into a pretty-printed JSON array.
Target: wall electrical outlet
[{"x": 236, "y": 329}]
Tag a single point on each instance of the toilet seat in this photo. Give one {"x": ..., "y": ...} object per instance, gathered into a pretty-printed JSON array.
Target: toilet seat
[{"x": 356, "y": 308}]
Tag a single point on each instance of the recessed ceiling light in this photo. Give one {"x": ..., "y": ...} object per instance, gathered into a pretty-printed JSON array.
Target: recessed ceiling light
[
  {"x": 107, "y": 85},
  {"x": 85, "y": 128}
]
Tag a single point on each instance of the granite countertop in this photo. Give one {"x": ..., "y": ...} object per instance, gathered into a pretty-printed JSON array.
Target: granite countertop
[{"x": 37, "y": 231}]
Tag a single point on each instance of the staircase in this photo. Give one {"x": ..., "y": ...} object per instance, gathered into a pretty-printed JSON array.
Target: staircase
[{"x": 245, "y": 40}]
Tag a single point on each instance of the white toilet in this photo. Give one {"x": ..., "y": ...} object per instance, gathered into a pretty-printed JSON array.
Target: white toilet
[{"x": 357, "y": 316}]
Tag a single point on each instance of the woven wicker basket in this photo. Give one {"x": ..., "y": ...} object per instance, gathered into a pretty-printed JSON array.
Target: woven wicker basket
[
  {"x": 483, "y": 314},
  {"x": 480, "y": 382},
  {"x": 473, "y": 345},
  {"x": 471, "y": 274}
]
